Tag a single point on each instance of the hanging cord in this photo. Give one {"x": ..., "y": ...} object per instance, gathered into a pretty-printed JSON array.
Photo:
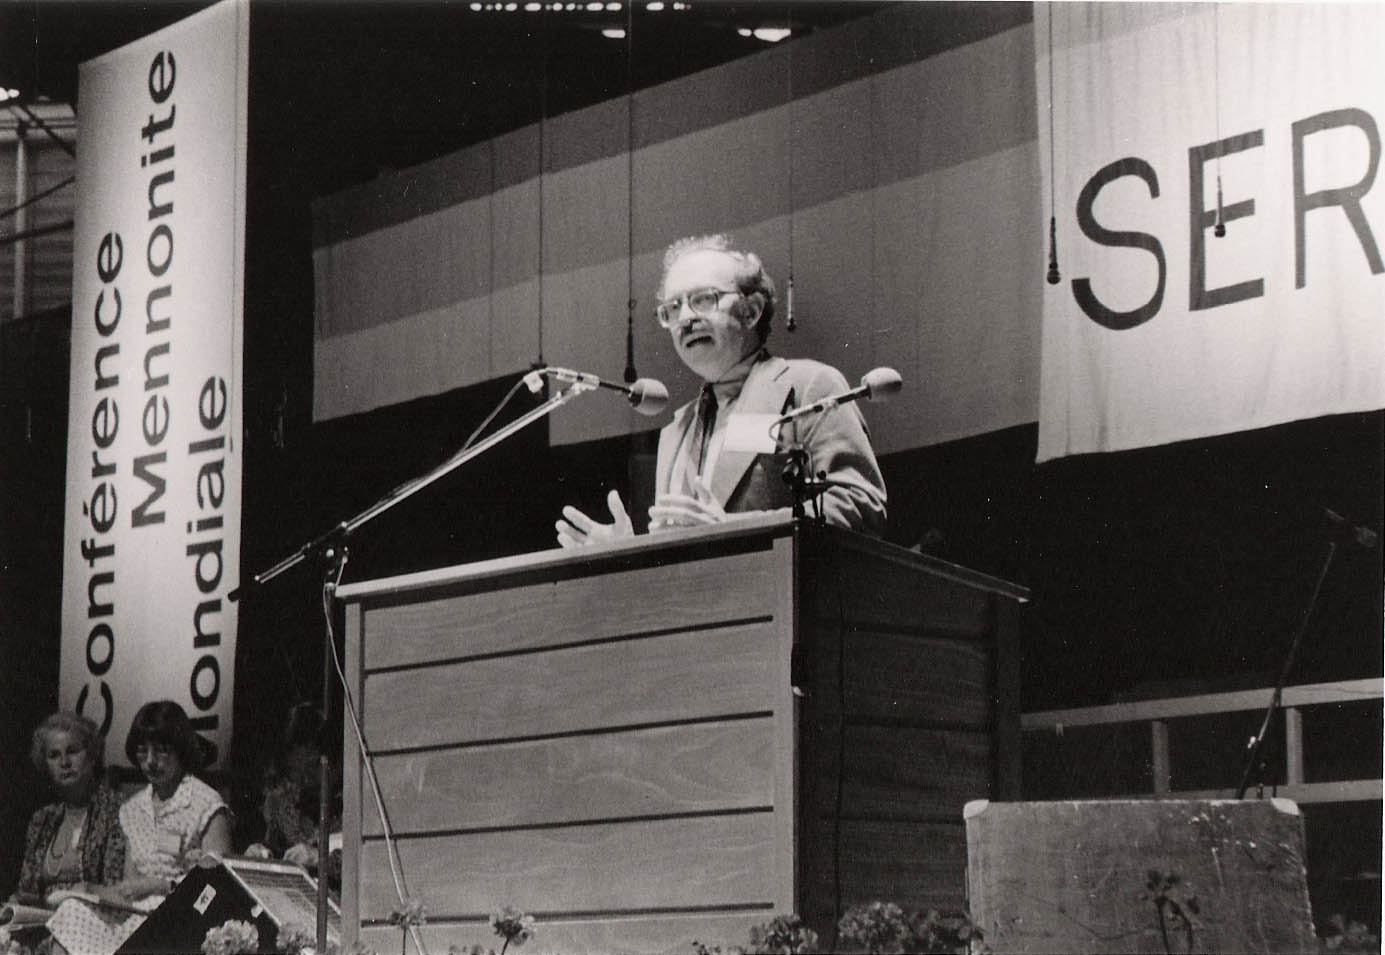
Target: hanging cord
[
  {"x": 491, "y": 417},
  {"x": 543, "y": 120},
  {"x": 790, "y": 322},
  {"x": 368, "y": 763},
  {"x": 1219, "y": 229},
  {"x": 630, "y": 373},
  {"x": 875, "y": 124},
  {"x": 1053, "y": 275}
]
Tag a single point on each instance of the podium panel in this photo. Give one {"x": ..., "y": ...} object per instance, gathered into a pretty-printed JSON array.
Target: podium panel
[{"x": 675, "y": 737}]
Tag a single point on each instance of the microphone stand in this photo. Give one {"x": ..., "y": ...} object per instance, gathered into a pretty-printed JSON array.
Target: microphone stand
[
  {"x": 330, "y": 552},
  {"x": 1257, "y": 742},
  {"x": 803, "y": 484}
]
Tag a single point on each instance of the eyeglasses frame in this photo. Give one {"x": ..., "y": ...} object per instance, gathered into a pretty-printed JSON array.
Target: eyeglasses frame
[{"x": 686, "y": 299}]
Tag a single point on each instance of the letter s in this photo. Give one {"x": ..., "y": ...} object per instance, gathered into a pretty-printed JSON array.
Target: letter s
[{"x": 1082, "y": 288}]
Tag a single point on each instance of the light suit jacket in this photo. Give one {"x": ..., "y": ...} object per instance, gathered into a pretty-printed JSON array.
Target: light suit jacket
[{"x": 839, "y": 445}]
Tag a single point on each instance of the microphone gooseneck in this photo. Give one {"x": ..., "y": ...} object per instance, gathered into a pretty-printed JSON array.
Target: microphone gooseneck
[
  {"x": 646, "y": 395},
  {"x": 876, "y": 385}
]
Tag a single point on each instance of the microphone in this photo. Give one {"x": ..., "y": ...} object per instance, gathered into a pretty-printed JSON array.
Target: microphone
[
  {"x": 1345, "y": 530},
  {"x": 646, "y": 395},
  {"x": 876, "y": 385}
]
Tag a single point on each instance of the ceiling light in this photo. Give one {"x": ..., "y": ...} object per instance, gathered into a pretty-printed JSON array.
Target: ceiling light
[
  {"x": 655, "y": 6},
  {"x": 614, "y": 33},
  {"x": 613, "y": 7},
  {"x": 744, "y": 31},
  {"x": 476, "y": 8},
  {"x": 771, "y": 34},
  {"x": 533, "y": 7}
]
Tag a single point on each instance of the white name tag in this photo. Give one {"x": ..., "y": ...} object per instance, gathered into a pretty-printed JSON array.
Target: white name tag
[
  {"x": 750, "y": 432},
  {"x": 204, "y": 900}
]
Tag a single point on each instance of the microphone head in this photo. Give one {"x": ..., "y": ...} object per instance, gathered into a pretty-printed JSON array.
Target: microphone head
[
  {"x": 648, "y": 396},
  {"x": 880, "y": 382}
]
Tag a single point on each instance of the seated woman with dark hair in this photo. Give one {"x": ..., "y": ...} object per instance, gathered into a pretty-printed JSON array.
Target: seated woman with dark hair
[
  {"x": 291, "y": 783},
  {"x": 171, "y": 822},
  {"x": 75, "y": 842},
  {"x": 168, "y": 825}
]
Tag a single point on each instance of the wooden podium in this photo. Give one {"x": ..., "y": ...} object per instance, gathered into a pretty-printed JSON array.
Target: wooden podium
[{"x": 675, "y": 737}]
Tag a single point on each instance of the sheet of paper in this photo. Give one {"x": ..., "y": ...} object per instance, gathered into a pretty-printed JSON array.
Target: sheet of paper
[{"x": 750, "y": 432}]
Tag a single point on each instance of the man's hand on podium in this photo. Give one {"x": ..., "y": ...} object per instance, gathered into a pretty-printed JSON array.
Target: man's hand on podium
[
  {"x": 578, "y": 530},
  {"x": 680, "y": 510}
]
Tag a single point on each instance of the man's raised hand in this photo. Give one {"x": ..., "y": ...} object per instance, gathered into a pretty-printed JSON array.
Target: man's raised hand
[{"x": 578, "y": 530}]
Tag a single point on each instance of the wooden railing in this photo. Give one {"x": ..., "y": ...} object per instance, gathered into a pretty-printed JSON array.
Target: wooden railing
[{"x": 1157, "y": 713}]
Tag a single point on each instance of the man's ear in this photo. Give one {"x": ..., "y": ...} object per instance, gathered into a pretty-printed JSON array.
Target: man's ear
[{"x": 754, "y": 307}]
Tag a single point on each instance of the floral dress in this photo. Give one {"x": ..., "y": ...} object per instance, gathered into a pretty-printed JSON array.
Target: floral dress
[{"x": 158, "y": 834}]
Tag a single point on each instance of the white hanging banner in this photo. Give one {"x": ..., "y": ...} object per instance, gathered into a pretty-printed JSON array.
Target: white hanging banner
[
  {"x": 152, "y": 537},
  {"x": 1168, "y": 119}
]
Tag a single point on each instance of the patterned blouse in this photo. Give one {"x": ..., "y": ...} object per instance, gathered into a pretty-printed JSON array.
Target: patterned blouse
[
  {"x": 102, "y": 845},
  {"x": 159, "y": 833}
]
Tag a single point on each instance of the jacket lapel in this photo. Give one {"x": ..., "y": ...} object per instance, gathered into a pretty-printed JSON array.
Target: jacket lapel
[
  {"x": 765, "y": 391},
  {"x": 669, "y": 437}
]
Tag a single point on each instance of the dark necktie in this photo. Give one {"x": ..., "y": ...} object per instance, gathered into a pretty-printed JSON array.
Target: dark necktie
[{"x": 706, "y": 422}]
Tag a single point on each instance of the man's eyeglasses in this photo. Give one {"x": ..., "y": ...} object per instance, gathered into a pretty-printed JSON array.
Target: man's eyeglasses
[{"x": 703, "y": 302}]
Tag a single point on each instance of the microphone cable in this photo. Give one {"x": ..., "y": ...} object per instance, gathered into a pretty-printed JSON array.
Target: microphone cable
[{"x": 368, "y": 763}]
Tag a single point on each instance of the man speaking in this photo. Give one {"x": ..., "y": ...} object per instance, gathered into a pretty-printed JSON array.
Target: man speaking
[{"x": 717, "y": 304}]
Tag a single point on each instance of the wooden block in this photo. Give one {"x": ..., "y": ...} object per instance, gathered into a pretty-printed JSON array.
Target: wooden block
[
  {"x": 886, "y": 594},
  {"x": 686, "y": 595},
  {"x": 676, "y": 677},
  {"x": 909, "y": 678},
  {"x": 913, "y": 864},
  {"x": 1099, "y": 876},
  {"x": 911, "y": 773},
  {"x": 669, "y": 769},
  {"x": 700, "y": 862}
]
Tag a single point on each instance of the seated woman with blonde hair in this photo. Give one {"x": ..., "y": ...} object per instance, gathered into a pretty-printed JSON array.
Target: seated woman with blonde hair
[
  {"x": 76, "y": 842},
  {"x": 168, "y": 826}
]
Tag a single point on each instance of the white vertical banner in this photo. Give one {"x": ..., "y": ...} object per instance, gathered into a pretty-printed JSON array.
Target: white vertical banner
[
  {"x": 1173, "y": 123},
  {"x": 152, "y": 535}
]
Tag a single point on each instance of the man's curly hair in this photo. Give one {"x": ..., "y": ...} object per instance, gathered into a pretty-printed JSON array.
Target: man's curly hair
[{"x": 751, "y": 277}]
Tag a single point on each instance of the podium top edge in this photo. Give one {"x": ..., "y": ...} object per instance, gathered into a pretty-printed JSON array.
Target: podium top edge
[
  {"x": 772, "y": 523},
  {"x": 943, "y": 568}
]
